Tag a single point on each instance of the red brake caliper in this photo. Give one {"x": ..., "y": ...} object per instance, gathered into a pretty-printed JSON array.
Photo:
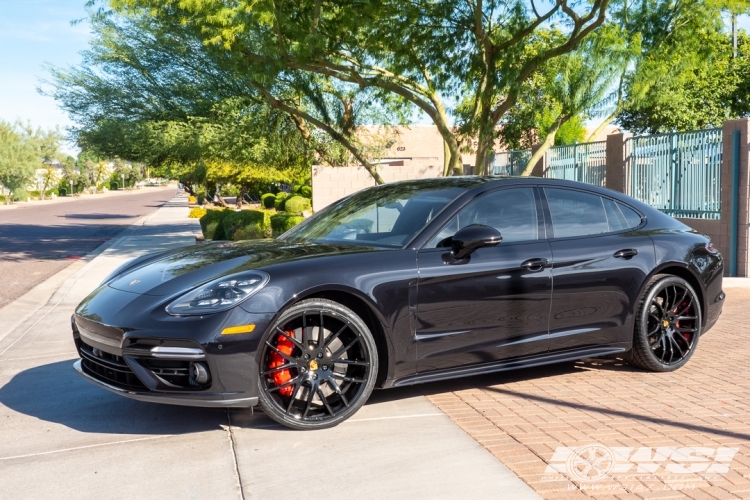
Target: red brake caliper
[{"x": 275, "y": 360}]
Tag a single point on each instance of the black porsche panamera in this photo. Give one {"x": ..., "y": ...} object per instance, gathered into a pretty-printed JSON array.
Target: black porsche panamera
[{"x": 400, "y": 284}]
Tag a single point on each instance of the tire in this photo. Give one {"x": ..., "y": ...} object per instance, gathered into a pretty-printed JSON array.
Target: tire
[
  {"x": 305, "y": 384},
  {"x": 667, "y": 325}
]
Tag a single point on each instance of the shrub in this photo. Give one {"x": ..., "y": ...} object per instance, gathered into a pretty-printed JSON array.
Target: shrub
[
  {"x": 197, "y": 213},
  {"x": 201, "y": 199},
  {"x": 245, "y": 224},
  {"x": 192, "y": 199},
  {"x": 267, "y": 200},
  {"x": 114, "y": 186},
  {"x": 280, "y": 200},
  {"x": 281, "y": 223},
  {"x": 211, "y": 224},
  {"x": 297, "y": 204},
  {"x": 20, "y": 195},
  {"x": 62, "y": 192},
  {"x": 306, "y": 191}
]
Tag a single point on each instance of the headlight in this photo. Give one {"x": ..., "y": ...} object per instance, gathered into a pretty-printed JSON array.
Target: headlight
[{"x": 219, "y": 295}]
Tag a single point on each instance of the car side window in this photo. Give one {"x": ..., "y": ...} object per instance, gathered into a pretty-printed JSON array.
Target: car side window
[
  {"x": 576, "y": 213},
  {"x": 620, "y": 217},
  {"x": 511, "y": 211}
]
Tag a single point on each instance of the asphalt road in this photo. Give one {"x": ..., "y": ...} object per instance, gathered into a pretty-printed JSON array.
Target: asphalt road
[{"x": 39, "y": 239}]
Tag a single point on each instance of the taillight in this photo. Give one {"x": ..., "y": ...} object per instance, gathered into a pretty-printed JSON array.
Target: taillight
[{"x": 711, "y": 249}]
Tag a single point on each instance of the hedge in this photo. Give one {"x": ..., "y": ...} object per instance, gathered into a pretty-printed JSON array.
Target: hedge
[
  {"x": 211, "y": 224},
  {"x": 191, "y": 199},
  {"x": 280, "y": 200},
  {"x": 201, "y": 198},
  {"x": 281, "y": 223},
  {"x": 20, "y": 195},
  {"x": 306, "y": 191},
  {"x": 268, "y": 200},
  {"x": 197, "y": 213},
  {"x": 297, "y": 204},
  {"x": 246, "y": 224}
]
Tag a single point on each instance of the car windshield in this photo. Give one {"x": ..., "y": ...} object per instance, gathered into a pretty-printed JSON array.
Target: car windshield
[{"x": 388, "y": 215}]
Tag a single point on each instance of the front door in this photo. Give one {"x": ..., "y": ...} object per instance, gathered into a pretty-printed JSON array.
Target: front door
[{"x": 495, "y": 303}]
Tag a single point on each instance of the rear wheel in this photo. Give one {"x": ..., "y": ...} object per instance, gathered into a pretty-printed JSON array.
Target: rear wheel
[
  {"x": 318, "y": 365},
  {"x": 667, "y": 326}
]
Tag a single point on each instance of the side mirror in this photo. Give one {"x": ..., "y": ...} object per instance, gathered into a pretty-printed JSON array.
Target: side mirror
[{"x": 471, "y": 237}]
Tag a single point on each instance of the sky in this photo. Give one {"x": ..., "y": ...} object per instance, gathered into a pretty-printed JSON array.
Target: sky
[
  {"x": 32, "y": 33},
  {"x": 38, "y": 32}
]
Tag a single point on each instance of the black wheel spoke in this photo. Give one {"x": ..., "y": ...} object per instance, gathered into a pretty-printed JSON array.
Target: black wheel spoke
[
  {"x": 683, "y": 339},
  {"x": 293, "y": 396},
  {"x": 337, "y": 389},
  {"x": 351, "y": 362},
  {"x": 290, "y": 338},
  {"x": 334, "y": 336},
  {"x": 677, "y": 345},
  {"x": 281, "y": 353},
  {"x": 685, "y": 330},
  {"x": 308, "y": 403},
  {"x": 686, "y": 308},
  {"x": 342, "y": 350},
  {"x": 285, "y": 384},
  {"x": 684, "y": 318},
  {"x": 348, "y": 379},
  {"x": 325, "y": 401},
  {"x": 684, "y": 294},
  {"x": 657, "y": 328},
  {"x": 278, "y": 368}
]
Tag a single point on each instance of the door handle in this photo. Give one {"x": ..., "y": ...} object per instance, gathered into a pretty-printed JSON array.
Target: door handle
[
  {"x": 626, "y": 253},
  {"x": 534, "y": 265}
]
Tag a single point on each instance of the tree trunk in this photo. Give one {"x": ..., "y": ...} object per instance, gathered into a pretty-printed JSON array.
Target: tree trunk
[
  {"x": 602, "y": 126},
  {"x": 185, "y": 186},
  {"x": 219, "y": 200},
  {"x": 241, "y": 197},
  {"x": 549, "y": 141},
  {"x": 484, "y": 153}
]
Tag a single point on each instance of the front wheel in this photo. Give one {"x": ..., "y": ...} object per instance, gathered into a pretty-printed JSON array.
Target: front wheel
[
  {"x": 667, "y": 326},
  {"x": 318, "y": 365}
]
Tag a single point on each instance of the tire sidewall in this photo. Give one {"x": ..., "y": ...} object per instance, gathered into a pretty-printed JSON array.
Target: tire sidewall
[
  {"x": 642, "y": 328},
  {"x": 344, "y": 313}
]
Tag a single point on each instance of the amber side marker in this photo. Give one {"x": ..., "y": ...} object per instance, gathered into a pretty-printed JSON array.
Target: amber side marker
[{"x": 238, "y": 329}]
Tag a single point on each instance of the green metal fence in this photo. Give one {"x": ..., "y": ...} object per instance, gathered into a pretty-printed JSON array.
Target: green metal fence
[
  {"x": 510, "y": 162},
  {"x": 578, "y": 162},
  {"x": 679, "y": 173}
]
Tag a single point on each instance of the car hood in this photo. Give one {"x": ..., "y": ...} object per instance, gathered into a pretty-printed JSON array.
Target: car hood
[{"x": 185, "y": 268}]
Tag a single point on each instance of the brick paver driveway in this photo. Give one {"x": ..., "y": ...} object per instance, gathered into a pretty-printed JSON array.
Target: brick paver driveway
[{"x": 659, "y": 435}]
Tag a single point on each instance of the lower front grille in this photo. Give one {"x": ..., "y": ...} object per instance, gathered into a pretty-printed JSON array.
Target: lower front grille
[{"x": 108, "y": 368}]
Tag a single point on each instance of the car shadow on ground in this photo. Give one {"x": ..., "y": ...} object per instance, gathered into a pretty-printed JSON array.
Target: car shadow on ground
[{"x": 56, "y": 393}]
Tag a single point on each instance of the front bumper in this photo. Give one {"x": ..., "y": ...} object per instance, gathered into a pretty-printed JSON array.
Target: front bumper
[
  {"x": 153, "y": 358},
  {"x": 213, "y": 400}
]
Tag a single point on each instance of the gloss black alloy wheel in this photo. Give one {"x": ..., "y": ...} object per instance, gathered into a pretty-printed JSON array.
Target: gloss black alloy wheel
[
  {"x": 318, "y": 365},
  {"x": 668, "y": 324}
]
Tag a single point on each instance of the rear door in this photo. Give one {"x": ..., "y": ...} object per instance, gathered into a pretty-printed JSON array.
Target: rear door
[
  {"x": 601, "y": 260},
  {"x": 494, "y": 304}
]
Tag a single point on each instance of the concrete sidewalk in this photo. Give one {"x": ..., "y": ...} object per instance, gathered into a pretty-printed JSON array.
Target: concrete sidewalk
[{"x": 62, "y": 437}]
